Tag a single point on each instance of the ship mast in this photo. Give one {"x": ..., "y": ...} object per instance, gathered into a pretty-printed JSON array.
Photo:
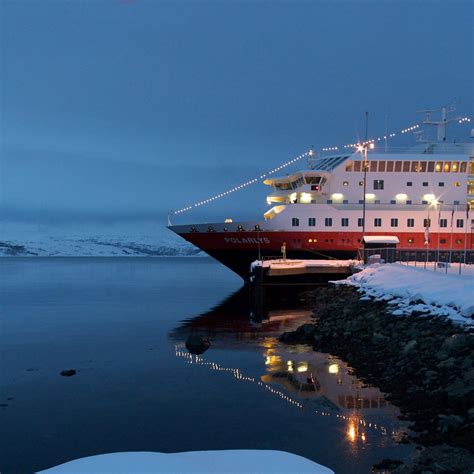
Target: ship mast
[{"x": 440, "y": 124}]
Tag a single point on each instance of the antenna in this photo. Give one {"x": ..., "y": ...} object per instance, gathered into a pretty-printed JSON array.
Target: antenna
[{"x": 440, "y": 124}]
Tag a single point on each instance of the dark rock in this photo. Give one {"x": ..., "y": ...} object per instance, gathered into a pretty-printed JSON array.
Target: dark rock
[
  {"x": 68, "y": 372},
  {"x": 197, "y": 344}
]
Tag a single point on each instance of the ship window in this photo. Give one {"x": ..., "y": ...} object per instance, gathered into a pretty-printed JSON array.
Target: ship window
[
  {"x": 349, "y": 166},
  {"x": 410, "y": 240},
  {"x": 312, "y": 221},
  {"x": 357, "y": 165},
  {"x": 361, "y": 201},
  {"x": 393, "y": 222},
  {"x": 257, "y": 227},
  {"x": 210, "y": 229},
  {"x": 422, "y": 166},
  {"x": 456, "y": 203},
  {"x": 471, "y": 167},
  {"x": 408, "y": 201},
  {"x": 410, "y": 222},
  {"x": 459, "y": 223},
  {"x": 414, "y": 166},
  {"x": 442, "y": 241},
  {"x": 240, "y": 228},
  {"x": 441, "y": 184},
  {"x": 378, "y": 183},
  {"x": 361, "y": 183},
  {"x": 424, "y": 202},
  {"x": 377, "y": 222},
  {"x": 328, "y": 221},
  {"x": 329, "y": 201},
  {"x": 345, "y": 222},
  {"x": 393, "y": 201},
  {"x": 295, "y": 222},
  {"x": 345, "y": 201},
  {"x": 406, "y": 166},
  {"x": 426, "y": 222},
  {"x": 447, "y": 167},
  {"x": 431, "y": 166},
  {"x": 313, "y": 179},
  {"x": 381, "y": 166},
  {"x": 425, "y": 183},
  {"x": 345, "y": 183},
  {"x": 459, "y": 241},
  {"x": 409, "y": 183},
  {"x": 360, "y": 222},
  {"x": 443, "y": 222},
  {"x": 439, "y": 166},
  {"x": 455, "y": 167},
  {"x": 283, "y": 186},
  {"x": 373, "y": 166},
  {"x": 389, "y": 166},
  {"x": 398, "y": 166}
]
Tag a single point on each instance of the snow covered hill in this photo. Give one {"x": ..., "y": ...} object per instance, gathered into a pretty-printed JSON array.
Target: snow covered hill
[{"x": 25, "y": 240}]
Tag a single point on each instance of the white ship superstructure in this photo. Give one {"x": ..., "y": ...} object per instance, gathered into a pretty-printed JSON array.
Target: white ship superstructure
[{"x": 421, "y": 194}]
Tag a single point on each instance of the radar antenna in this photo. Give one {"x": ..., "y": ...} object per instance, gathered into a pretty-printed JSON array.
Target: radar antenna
[{"x": 440, "y": 124}]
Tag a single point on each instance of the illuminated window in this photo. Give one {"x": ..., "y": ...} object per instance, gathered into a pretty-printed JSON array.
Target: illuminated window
[
  {"x": 414, "y": 166},
  {"x": 381, "y": 166},
  {"x": 257, "y": 227},
  {"x": 345, "y": 183},
  {"x": 361, "y": 183},
  {"x": 458, "y": 241},
  {"x": 457, "y": 184},
  {"x": 455, "y": 167},
  {"x": 422, "y": 166},
  {"x": 410, "y": 240},
  {"x": 240, "y": 228},
  {"x": 377, "y": 222},
  {"x": 389, "y": 166},
  {"x": 410, "y": 222},
  {"x": 439, "y": 166},
  {"x": 312, "y": 221},
  {"x": 447, "y": 167},
  {"x": 471, "y": 167},
  {"x": 345, "y": 222}
]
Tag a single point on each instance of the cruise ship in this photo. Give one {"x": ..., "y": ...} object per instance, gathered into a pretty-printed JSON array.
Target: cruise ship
[{"x": 421, "y": 195}]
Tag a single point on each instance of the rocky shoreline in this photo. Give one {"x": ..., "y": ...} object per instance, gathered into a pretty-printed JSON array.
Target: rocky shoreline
[{"x": 424, "y": 364}]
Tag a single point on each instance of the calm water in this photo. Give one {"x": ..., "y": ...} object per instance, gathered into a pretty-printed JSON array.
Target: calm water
[{"x": 121, "y": 324}]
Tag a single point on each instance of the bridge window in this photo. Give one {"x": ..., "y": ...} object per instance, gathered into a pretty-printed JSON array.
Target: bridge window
[
  {"x": 443, "y": 222},
  {"x": 410, "y": 222},
  {"x": 360, "y": 222},
  {"x": 377, "y": 222},
  {"x": 345, "y": 222},
  {"x": 394, "y": 222},
  {"x": 328, "y": 221},
  {"x": 295, "y": 222},
  {"x": 312, "y": 221},
  {"x": 459, "y": 223}
]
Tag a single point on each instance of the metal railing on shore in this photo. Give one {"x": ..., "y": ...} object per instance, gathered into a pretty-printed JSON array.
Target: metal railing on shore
[{"x": 442, "y": 259}]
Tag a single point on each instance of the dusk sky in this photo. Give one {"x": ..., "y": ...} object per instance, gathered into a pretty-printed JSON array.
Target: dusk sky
[{"x": 131, "y": 108}]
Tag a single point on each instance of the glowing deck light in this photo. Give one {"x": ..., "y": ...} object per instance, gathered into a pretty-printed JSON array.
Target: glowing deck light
[
  {"x": 351, "y": 432},
  {"x": 302, "y": 367},
  {"x": 305, "y": 198},
  {"x": 431, "y": 198},
  {"x": 370, "y": 196},
  {"x": 228, "y": 221},
  {"x": 333, "y": 368},
  {"x": 401, "y": 197},
  {"x": 337, "y": 196}
]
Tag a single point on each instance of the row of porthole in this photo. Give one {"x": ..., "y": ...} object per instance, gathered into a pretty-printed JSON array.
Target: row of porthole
[
  {"x": 225, "y": 229},
  {"x": 409, "y": 240}
]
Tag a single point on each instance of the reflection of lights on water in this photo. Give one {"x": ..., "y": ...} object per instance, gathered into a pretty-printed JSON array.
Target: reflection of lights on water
[
  {"x": 272, "y": 359},
  {"x": 302, "y": 367},
  {"x": 290, "y": 366},
  {"x": 353, "y": 423},
  {"x": 333, "y": 368}
]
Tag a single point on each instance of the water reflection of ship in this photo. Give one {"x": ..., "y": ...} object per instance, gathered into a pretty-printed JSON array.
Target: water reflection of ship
[{"x": 305, "y": 379}]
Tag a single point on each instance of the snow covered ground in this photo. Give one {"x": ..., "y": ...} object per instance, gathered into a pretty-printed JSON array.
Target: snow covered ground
[
  {"x": 91, "y": 241},
  {"x": 409, "y": 289},
  {"x": 198, "y": 462}
]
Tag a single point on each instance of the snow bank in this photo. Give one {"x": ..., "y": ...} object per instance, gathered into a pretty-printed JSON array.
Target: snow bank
[
  {"x": 409, "y": 289},
  {"x": 205, "y": 462}
]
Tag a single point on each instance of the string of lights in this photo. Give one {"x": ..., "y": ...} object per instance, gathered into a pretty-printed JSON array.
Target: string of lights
[{"x": 308, "y": 153}]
